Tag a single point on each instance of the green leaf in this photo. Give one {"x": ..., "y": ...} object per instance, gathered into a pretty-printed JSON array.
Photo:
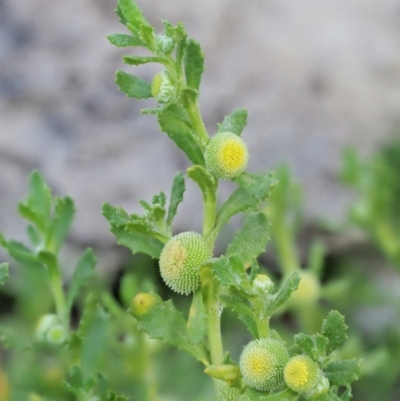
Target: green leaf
[
  {"x": 283, "y": 294},
  {"x": 177, "y": 191},
  {"x": 235, "y": 123},
  {"x": 138, "y": 242},
  {"x": 132, "y": 15},
  {"x": 122, "y": 40},
  {"x": 204, "y": 180},
  {"x": 116, "y": 216},
  {"x": 3, "y": 273},
  {"x": 252, "y": 239},
  {"x": 83, "y": 272},
  {"x": 334, "y": 328},
  {"x": 305, "y": 342},
  {"x": 239, "y": 303},
  {"x": 64, "y": 214},
  {"x": 194, "y": 64},
  {"x": 197, "y": 321},
  {"x": 139, "y": 60},
  {"x": 343, "y": 373},
  {"x": 179, "y": 130},
  {"x": 230, "y": 272},
  {"x": 163, "y": 321},
  {"x": 33, "y": 235},
  {"x": 253, "y": 190},
  {"x": 259, "y": 186},
  {"x": 132, "y": 85},
  {"x": 19, "y": 252},
  {"x": 37, "y": 206}
]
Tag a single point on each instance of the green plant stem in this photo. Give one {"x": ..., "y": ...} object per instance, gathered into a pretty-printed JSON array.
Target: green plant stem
[
  {"x": 209, "y": 291},
  {"x": 191, "y": 105},
  {"x": 58, "y": 293},
  {"x": 210, "y": 213}
]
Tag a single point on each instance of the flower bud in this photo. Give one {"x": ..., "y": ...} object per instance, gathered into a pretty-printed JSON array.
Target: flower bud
[
  {"x": 142, "y": 303},
  {"x": 262, "y": 363},
  {"x": 165, "y": 43},
  {"x": 226, "y": 155},
  {"x": 179, "y": 259},
  {"x": 301, "y": 374},
  {"x": 50, "y": 329},
  {"x": 262, "y": 283},
  {"x": 163, "y": 88}
]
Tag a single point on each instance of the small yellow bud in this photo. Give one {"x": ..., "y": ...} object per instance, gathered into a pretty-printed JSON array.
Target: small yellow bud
[
  {"x": 226, "y": 155},
  {"x": 262, "y": 363},
  {"x": 142, "y": 303},
  {"x": 301, "y": 374},
  {"x": 179, "y": 259}
]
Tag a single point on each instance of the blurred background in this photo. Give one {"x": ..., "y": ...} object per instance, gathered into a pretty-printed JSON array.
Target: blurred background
[{"x": 316, "y": 77}]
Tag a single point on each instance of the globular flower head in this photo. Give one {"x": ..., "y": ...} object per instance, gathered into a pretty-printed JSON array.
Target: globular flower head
[
  {"x": 262, "y": 284},
  {"x": 162, "y": 87},
  {"x": 142, "y": 303},
  {"x": 262, "y": 363},
  {"x": 181, "y": 255},
  {"x": 301, "y": 374},
  {"x": 226, "y": 155}
]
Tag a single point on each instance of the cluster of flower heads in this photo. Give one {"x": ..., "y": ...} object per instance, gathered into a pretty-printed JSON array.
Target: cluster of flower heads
[{"x": 265, "y": 364}]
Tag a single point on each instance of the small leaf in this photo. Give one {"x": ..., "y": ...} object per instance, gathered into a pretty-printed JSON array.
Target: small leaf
[
  {"x": 116, "y": 216},
  {"x": 132, "y": 85},
  {"x": 83, "y": 271},
  {"x": 305, "y": 342},
  {"x": 194, "y": 64},
  {"x": 343, "y": 373},
  {"x": 20, "y": 252},
  {"x": 177, "y": 191},
  {"x": 179, "y": 130},
  {"x": 197, "y": 321},
  {"x": 132, "y": 15},
  {"x": 253, "y": 190},
  {"x": 163, "y": 321},
  {"x": 37, "y": 206},
  {"x": 139, "y": 60},
  {"x": 230, "y": 272},
  {"x": 334, "y": 328},
  {"x": 283, "y": 294},
  {"x": 239, "y": 303},
  {"x": 259, "y": 186},
  {"x": 122, "y": 40},
  {"x": 204, "y": 180},
  {"x": 138, "y": 243},
  {"x": 235, "y": 123},
  {"x": 252, "y": 239},
  {"x": 3, "y": 273},
  {"x": 64, "y": 214}
]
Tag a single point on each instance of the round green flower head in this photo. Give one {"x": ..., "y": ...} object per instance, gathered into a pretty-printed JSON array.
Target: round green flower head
[
  {"x": 163, "y": 87},
  {"x": 226, "y": 155},
  {"x": 179, "y": 259},
  {"x": 262, "y": 363},
  {"x": 301, "y": 374}
]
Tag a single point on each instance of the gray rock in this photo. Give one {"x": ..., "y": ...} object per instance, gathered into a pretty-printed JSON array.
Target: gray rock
[{"x": 315, "y": 77}]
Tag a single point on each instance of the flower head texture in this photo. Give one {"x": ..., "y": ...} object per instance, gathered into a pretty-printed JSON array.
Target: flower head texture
[
  {"x": 262, "y": 363},
  {"x": 226, "y": 155},
  {"x": 179, "y": 259},
  {"x": 301, "y": 374}
]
